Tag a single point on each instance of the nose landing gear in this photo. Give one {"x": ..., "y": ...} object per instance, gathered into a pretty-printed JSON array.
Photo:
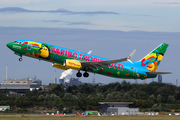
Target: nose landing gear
[{"x": 20, "y": 59}]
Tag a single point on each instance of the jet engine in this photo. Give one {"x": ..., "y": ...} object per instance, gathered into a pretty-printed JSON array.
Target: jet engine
[
  {"x": 59, "y": 66},
  {"x": 73, "y": 64}
]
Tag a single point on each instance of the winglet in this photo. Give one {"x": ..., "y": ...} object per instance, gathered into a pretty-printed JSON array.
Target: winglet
[{"x": 130, "y": 56}]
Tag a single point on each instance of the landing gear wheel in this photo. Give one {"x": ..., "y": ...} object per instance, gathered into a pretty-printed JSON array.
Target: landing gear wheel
[
  {"x": 86, "y": 74},
  {"x": 20, "y": 59},
  {"x": 78, "y": 74}
]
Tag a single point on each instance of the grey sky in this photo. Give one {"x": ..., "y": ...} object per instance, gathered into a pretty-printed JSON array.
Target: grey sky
[{"x": 146, "y": 15}]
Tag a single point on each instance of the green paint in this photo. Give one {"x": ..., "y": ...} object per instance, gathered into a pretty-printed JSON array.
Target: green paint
[{"x": 118, "y": 73}]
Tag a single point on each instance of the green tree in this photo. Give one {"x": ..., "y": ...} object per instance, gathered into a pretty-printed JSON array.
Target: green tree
[
  {"x": 126, "y": 95},
  {"x": 157, "y": 107},
  {"x": 171, "y": 99},
  {"x": 99, "y": 96},
  {"x": 159, "y": 98},
  {"x": 118, "y": 87},
  {"x": 69, "y": 96},
  {"x": 109, "y": 97},
  {"x": 165, "y": 92},
  {"x": 152, "y": 97}
]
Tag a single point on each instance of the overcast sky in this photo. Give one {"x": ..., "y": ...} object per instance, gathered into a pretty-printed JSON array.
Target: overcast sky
[
  {"x": 112, "y": 29},
  {"x": 125, "y": 15}
]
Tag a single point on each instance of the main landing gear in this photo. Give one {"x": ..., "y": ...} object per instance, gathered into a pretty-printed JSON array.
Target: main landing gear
[
  {"x": 85, "y": 74},
  {"x": 79, "y": 74}
]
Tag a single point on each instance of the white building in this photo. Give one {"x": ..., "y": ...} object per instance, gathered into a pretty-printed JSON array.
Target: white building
[{"x": 118, "y": 108}]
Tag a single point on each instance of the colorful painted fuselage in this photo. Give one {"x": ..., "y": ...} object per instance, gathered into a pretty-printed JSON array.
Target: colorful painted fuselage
[{"x": 55, "y": 54}]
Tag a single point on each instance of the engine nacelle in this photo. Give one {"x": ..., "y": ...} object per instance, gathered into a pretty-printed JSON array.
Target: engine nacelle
[
  {"x": 73, "y": 64},
  {"x": 59, "y": 66}
]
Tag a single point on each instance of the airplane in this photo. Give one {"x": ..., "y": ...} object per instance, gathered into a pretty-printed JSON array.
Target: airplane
[{"x": 63, "y": 58}]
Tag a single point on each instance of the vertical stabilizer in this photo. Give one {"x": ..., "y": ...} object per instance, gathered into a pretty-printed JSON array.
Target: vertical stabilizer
[{"x": 153, "y": 59}]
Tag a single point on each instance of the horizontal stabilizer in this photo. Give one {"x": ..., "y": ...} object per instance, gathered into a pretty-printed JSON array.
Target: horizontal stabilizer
[{"x": 158, "y": 73}]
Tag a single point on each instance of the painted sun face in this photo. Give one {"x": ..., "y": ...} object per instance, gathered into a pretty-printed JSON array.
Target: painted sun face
[{"x": 44, "y": 52}]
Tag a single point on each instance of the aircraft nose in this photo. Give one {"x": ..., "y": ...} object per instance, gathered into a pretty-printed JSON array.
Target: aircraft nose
[{"x": 9, "y": 45}]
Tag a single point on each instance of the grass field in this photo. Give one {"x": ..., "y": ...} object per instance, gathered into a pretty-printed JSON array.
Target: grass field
[{"x": 136, "y": 117}]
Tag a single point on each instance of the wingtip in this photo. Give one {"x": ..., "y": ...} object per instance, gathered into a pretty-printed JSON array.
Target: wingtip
[{"x": 131, "y": 55}]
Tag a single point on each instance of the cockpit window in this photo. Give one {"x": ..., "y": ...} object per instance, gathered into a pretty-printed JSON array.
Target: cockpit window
[{"x": 17, "y": 42}]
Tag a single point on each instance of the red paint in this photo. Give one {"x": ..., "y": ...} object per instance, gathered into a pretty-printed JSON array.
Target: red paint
[
  {"x": 36, "y": 45},
  {"x": 62, "y": 52},
  {"x": 120, "y": 66},
  {"x": 109, "y": 73},
  {"x": 143, "y": 64},
  {"x": 110, "y": 66},
  {"x": 80, "y": 56},
  {"x": 52, "y": 49},
  {"x": 74, "y": 55},
  {"x": 115, "y": 65},
  {"x": 57, "y": 51},
  {"x": 66, "y": 53},
  {"x": 85, "y": 58},
  {"x": 69, "y": 54},
  {"x": 95, "y": 59},
  {"x": 90, "y": 58},
  {"x": 25, "y": 43},
  {"x": 102, "y": 68}
]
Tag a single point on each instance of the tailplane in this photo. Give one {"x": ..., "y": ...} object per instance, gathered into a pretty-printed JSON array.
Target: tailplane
[{"x": 153, "y": 59}]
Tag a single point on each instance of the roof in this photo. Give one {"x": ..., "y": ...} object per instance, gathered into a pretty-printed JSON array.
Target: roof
[{"x": 115, "y": 103}]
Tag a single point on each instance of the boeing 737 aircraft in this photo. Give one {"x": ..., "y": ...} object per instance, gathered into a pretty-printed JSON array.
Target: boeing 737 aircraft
[{"x": 64, "y": 59}]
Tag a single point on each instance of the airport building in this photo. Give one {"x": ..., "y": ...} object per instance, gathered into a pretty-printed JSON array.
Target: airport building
[
  {"x": 17, "y": 82},
  {"x": 20, "y": 86},
  {"x": 118, "y": 108}
]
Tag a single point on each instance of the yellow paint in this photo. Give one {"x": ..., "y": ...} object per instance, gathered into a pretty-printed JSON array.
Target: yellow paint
[
  {"x": 33, "y": 53},
  {"x": 73, "y": 64},
  {"x": 159, "y": 57},
  {"x": 151, "y": 67},
  {"x": 44, "y": 52},
  {"x": 59, "y": 66}
]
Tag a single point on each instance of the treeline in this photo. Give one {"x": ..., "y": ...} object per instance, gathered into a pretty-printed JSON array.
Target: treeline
[{"x": 148, "y": 97}]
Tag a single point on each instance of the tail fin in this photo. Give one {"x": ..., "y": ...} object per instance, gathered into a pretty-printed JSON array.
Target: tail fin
[{"x": 153, "y": 59}]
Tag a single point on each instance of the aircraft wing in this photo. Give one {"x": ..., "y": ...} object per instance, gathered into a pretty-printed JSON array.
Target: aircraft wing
[{"x": 99, "y": 64}]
